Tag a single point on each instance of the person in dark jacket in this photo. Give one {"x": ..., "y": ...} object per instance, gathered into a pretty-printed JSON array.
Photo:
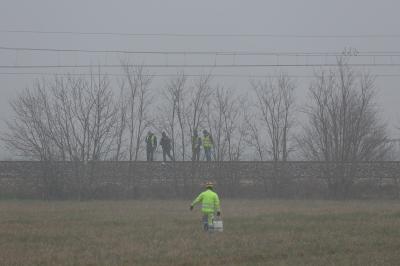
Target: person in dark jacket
[
  {"x": 196, "y": 144},
  {"x": 151, "y": 145},
  {"x": 165, "y": 143}
]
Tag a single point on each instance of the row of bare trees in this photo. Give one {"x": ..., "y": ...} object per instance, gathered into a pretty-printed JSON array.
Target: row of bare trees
[
  {"x": 84, "y": 119},
  {"x": 66, "y": 119}
]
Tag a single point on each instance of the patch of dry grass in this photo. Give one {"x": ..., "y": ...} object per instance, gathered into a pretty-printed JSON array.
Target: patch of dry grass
[{"x": 256, "y": 232}]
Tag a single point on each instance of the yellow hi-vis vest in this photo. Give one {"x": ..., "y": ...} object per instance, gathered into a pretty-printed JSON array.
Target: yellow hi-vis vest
[
  {"x": 151, "y": 140},
  {"x": 207, "y": 142},
  {"x": 209, "y": 200}
]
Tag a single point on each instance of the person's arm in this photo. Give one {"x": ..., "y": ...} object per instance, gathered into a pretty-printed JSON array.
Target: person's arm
[{"x": 197, "y": 200}]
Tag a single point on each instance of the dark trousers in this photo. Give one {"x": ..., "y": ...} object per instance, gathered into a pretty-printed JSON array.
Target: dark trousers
[
  {"x": 208, "y": 221},
  {"x": 166, "y": 152},
  {"x": 207, "y": 152},
  {"x": 196, "y": 154},
  {"x": 150, "y": 154}
]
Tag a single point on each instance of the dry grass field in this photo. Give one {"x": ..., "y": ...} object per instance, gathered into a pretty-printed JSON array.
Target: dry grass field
[{"x": 256, "y": 232}]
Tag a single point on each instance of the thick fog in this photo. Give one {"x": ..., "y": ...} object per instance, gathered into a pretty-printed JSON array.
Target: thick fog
[{"x": 298, "y": 27}]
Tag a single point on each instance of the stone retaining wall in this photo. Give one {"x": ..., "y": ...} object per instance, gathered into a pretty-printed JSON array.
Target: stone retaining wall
[{"x": 124, "y": 180}]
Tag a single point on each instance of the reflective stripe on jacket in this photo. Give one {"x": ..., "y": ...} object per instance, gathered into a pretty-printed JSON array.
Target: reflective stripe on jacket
[
  {"x": 151, "y": 141},
  {"x": 209, "y": 200},
  {"x": 207, "y": 142}
]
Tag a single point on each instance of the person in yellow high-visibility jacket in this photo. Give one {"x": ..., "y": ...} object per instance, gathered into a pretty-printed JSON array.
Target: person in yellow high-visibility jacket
[
  {"x": 210, "y": 204},
  {"x": 208, "y": 144}
]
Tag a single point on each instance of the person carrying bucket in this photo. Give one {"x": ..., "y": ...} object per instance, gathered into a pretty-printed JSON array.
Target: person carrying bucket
[{"x": 210, "y": 204}]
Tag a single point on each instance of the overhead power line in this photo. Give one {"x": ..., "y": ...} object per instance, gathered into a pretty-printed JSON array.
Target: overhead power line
[
  {"x": 230, "y": 53},
  {"x": 172, "y": 75},
  {"x": 199, "y": 65},
  {"x": 213, "y": 35}
]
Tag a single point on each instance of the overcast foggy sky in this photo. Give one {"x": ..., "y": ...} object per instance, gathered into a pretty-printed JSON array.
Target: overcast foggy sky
[{"x": 307, "y": 17}]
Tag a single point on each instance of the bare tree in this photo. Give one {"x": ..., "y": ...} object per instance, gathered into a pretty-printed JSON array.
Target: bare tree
[
  {"x": 27, "y": 132},
  {"x": 177, "y": 89},
  {"x": 179, "y": 95},
  {"x": 104, "y": 117},
  {"x": 254, "y": 138},
  {"x": 138, "y": 103},
  {"x": 198, "y": 100},
  {"x": 239, "y": 146},
  {"x": 275, "y": 105},
  {"x": 343, "y": 125},
  {"x": 215, "y": 110},
  {"x": 67, "y": 119},
  {"x": 85, "y": 114},
  {"x": 233, "y": 123},
  {"x": 172, "y": 113},
  {"x": 120, "y": 126},
  {"x": 225, "y": 119},
  {"x": 274, "y": 112},
  {"x": 167, "y": 116}
]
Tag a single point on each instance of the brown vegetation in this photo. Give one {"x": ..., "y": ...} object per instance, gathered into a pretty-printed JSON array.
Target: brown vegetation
[{"x": 166, "y": 233}]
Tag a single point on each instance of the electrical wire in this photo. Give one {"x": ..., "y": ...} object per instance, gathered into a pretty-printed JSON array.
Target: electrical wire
[
  {"x": 176, "y": 75},
  {"x": 214, "y": 35},
  {"x": 200, "y": 65},
  {"x": 227, "y": 53}
]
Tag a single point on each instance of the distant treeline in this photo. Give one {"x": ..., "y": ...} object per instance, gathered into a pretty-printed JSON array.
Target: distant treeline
[{"x": 81, "y": 119}]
